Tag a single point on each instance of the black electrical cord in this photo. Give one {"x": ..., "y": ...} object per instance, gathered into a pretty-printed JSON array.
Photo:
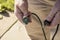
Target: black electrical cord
[
  {"x": 46, "y": 22},
  {"x": 43, "y": 28},
  {"x": 41, "y": 25},
  {"x": 26, "y": 20},
  {"x": 55, "y": 32}
]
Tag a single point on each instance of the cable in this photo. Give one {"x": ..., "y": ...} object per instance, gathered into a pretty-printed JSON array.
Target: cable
[
  {"x": 43, "y": 28},
  {"x": 41, "y": 25},
  {"x": 55, "y": 32},
  {"x": 26, "y": 21},
  {"x": 46, "y": 22},
  {"x": 8, "y": 29}
]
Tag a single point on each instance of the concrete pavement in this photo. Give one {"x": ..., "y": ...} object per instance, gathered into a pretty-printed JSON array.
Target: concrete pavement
[{"x": 17, "y": 32}]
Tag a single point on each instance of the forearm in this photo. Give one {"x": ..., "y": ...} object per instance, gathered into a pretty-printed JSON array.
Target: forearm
[
  {"x": 23, "y": 6},
  {"x": 56, "y": 7},
  {"x": 54, "y": 10}
]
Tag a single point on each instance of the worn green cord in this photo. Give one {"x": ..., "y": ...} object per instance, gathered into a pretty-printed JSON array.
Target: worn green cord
[{"x": 8, "y": 29}]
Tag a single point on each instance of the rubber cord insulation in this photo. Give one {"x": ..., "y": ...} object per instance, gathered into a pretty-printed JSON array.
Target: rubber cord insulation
[{"x": 43, "y": 28}]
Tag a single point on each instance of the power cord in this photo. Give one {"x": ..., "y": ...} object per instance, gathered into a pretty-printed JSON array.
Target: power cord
[
  {"x": 41, "y": 25},
  {"x": 26, "y": 21},
  {"x": 55, "y": 32}
]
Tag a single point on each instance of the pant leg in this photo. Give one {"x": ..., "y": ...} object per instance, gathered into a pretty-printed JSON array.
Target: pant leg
[{"x": 34, "y": 28}]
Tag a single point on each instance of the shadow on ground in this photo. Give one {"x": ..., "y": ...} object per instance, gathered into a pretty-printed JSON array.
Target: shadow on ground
[{"x": 5, "y": 13}]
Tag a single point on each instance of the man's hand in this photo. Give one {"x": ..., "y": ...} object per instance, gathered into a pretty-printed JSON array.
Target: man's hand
[{"x": 21, "y": 9}]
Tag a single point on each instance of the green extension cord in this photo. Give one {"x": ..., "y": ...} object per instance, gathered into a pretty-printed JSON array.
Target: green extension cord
[{"x": 8, "y": 29}]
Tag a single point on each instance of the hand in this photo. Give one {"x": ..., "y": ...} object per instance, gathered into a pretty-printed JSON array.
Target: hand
[{"x": 19, "y": 14}]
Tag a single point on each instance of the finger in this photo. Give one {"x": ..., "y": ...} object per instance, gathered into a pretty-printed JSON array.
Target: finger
[{"x": 18, "y": 14}]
